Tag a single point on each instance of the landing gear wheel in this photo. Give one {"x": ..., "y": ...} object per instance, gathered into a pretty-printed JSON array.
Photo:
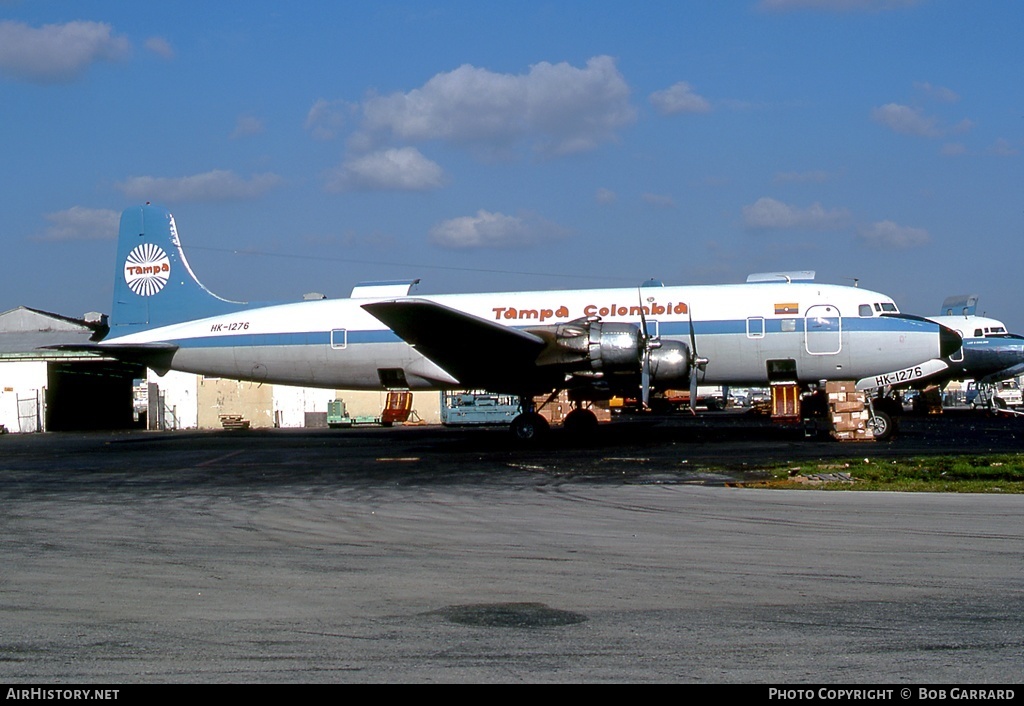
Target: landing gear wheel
[
  {"x": 580, "y": 422},
  {"x": 881, "y": 425},
  {"x": 529, "y": 427}
]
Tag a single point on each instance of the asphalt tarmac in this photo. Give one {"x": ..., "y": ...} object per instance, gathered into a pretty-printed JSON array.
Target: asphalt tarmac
[{"x": 451, "y": 555}]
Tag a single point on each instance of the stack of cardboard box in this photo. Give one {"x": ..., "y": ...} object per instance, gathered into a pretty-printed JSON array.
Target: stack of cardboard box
[{"x": 847, "y": 408}]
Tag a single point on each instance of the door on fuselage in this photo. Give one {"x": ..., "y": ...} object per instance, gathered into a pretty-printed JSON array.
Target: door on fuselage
[{"x": 823, "y": 329}]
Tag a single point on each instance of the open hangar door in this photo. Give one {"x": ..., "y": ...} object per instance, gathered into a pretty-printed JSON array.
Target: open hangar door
[{"x": 90, "y": 395}]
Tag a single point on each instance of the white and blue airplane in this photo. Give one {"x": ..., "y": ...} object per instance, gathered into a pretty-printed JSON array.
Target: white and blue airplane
[
  {"x": 989, "y": 353},
  {"x": 595, "y": 343}
]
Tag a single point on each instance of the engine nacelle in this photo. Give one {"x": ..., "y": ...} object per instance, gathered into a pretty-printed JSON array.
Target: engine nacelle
[
  {"x": 601, "y": 349},
  {"x": 670, "y": 365}
]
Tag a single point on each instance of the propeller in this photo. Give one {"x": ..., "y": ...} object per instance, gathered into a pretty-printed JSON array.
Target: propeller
[
  {"x": 647, "y": 344},
  {"x": 696, "y": 363}
]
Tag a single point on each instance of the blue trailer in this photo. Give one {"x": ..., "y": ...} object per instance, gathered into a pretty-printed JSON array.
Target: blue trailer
[{"x": 477, "y": 408}]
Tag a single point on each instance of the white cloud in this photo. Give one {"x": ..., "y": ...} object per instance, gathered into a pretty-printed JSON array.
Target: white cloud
[
  {"x": 886, "y": 234},
  {"x": 905, "y": 120},
  {"x": 604, "y": 195},
  {"x": 247, "y": 126},
  {"x": 327, "y": 118},
  {"x": 404, "y": 169},
  {"x": 556, "y": 109},
  {"x": 493, "y": 230},
  {"x": 659, "y": 200},
  {"x": 938, "y": 93},
  {"x": 769, "y": 214},
  {"x": 57, "y": 53},
  {"x": 161, "y": 47},
  {"x": 216, "y": 185},
  {"x": 679, "y": 98},
  {"x": 78, "y": 223},
  {"x": 1003, "y": 148}
]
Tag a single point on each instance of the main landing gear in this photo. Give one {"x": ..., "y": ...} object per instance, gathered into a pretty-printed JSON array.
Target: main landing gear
[{"x": 531, "y": 426}]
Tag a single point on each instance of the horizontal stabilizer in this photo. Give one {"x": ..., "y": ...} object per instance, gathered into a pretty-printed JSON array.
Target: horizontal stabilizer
[{"x": 156, "y": 356}]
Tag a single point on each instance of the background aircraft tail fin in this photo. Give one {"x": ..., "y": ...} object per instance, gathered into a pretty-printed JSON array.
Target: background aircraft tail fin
[{"x": 153, "y": 283}]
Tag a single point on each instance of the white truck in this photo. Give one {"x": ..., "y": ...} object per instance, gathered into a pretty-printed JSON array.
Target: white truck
[{"x": 1004, "y": 395}]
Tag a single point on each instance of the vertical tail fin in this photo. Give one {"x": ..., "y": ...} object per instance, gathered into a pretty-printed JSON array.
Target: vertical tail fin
[{"x": 153, "y": 283}]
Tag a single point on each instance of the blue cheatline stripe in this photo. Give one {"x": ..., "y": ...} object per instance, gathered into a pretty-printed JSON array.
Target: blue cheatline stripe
[
  {"x": 667, "y": 328},
  {"x": 309, "y": 338}
]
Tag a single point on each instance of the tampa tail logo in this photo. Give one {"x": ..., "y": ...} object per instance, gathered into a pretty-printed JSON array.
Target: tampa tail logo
[{"x": 146, "y": 270}]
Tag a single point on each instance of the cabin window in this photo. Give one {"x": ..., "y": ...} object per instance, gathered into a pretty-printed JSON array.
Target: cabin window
[
  {"x": 755, "y": 327},
  {"x": 788, "y": 325},
  {"x": 339, "y": 338},
  {"x": 865, "y": 310}
]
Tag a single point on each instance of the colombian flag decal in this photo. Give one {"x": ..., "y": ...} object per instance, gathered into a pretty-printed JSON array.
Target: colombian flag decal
[{"x": 787, "y": 308}]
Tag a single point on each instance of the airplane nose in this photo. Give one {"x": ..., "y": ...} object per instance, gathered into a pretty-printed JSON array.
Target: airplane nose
[{"x": 949, "y": 341}]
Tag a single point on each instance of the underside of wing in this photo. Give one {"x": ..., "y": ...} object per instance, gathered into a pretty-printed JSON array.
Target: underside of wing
[
  {"x": 476, "y": 352},
  {"x": 156, "y": 356}
]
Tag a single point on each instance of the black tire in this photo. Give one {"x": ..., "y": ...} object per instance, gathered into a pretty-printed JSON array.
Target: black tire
[
  {"x": 529, "y": 427},
  {"x": 580, "y": 422},
  {"x": 881, "y": 425}
]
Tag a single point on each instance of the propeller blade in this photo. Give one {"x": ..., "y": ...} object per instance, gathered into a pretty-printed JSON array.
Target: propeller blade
[
  {"x": 645, "y": 379},
  {"x": 693, "y": 390},
  {"x": 697, "y": 364},
  {"x": 645, "y": 354}
]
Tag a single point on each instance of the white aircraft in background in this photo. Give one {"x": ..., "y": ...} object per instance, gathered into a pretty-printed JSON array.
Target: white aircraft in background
[
  {"x": 989, "y": 353},
  {"x": 595, "y": 343}
]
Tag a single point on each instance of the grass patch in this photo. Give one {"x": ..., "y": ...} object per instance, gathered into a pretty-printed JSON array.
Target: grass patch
[{"x": 1003, "y": 473}]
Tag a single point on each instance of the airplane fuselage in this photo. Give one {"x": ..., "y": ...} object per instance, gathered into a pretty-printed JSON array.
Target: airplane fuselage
[{"x": 815, "y": 331}]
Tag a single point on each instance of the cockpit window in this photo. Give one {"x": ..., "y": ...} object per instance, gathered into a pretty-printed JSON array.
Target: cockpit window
[
  {"x": 889, "y": 307},
  {"x": 865, "y": 310}
]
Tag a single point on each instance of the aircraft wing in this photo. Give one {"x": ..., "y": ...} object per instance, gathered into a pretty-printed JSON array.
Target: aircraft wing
[{"x": 477, "y": 352}]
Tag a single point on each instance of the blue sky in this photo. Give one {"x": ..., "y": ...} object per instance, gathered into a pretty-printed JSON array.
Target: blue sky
[{"x": 531, "y": 145}]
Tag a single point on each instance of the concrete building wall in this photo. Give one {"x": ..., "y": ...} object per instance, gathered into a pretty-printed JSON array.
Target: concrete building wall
[
  {"x": 25, "y": 381},
  {"x": 293, "y": 404},
  {"x": 181, "y": 398},
  {"x": 250, "y": 400}
]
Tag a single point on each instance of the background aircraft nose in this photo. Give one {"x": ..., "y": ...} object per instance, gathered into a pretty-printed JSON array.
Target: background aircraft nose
[{"x": 949, "y": 341}]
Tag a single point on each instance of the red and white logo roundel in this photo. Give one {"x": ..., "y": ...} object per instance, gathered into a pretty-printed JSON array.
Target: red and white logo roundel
[{"x": 146, "y": 270}]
